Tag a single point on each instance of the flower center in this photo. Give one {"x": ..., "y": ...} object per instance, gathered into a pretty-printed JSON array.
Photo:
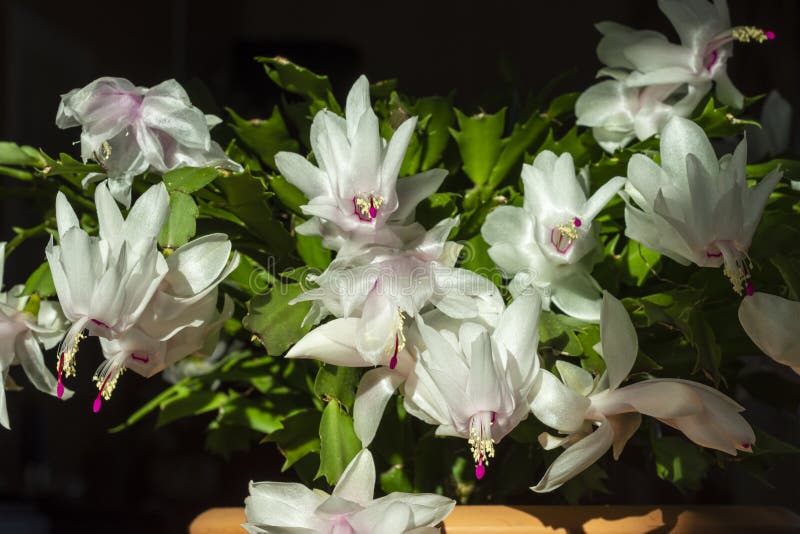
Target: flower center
[
  {"x": 480, "y": 441},
  {"x": 366, "y": 206},
  {"x": 743, "y": 34},
  {"x": 341, "y": 525},
  {"x": 564, "y": 235}
]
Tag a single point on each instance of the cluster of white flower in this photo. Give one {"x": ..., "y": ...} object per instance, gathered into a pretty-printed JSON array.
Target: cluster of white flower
[
  {"x": 464, "y": 361},
  {"x": 148, "y": 311},
  {"x": 652, "y": 80}
]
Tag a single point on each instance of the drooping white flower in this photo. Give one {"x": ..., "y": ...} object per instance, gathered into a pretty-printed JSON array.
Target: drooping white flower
[
  {"x": 180, "y": 319},
  {"x": 771, "y": 322},
  {"x": 26, "y": 324},
  {"x": 277, "y": 507},
  {"x": 375, "y": 296},
  {"x": 617, "y": 113},
  {"x": 548, "y": 243},
  {"x": 104, "y": 283},
  {"x": 596, "y": 415},
  {"x": 354, "y": 196},
  {"x": 695, "y": 208},
  {"x": 706, "y": 38},
  {"x": 129, "y": 129},
  {"x": 475, "y": 384}
]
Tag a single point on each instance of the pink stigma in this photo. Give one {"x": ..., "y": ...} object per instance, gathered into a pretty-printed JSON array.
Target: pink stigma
[
  {"x": 393, "y": 361},
  {"x": 748, "y": 288},
  {"x": 60, "y": 387},
  {"x": 373, "y": 211},
  {"x": 98, "y": 402},
  {"x": 770, "y": 35},
  {"x": 480, "y": 471},
  {"x": 577, "y": 222},
  {"x": 713, "y": 61},
  {"x": 143, "y": 359}
]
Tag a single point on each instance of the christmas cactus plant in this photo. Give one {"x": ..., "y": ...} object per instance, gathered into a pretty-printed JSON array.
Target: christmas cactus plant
[{"x": 390, "y": 291}]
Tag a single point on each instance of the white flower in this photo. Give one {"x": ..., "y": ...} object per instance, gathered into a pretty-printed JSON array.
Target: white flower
[
  {"x": 354, "y": 195},
  {"x": 180, "y": 319},
  {"x": 693, "y": 208},
  {"x": 105, "y": 283},
  {"x": 475, "y": 384},
  {"x": 771, "y": 322},
  {"x": 550, "y": 240},
  {"x": 706, "y": 44},
  {"x": 617, "y": 113},
  {"x": 25, "y": 324},
  {"x": 374, "y": 295},
  {"x": 129, "y": 129},
  {"x": 595, "y": 415},
  {"x": 382, "y": 286},
  {"x": 277, "y": 507}
]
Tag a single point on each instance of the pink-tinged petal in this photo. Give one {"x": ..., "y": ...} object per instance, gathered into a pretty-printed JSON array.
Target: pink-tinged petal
[
  {"x": 357, "y": 483},
  {"x": 166, "y": 107},
  {"x": 771, "y": 323},
  {"x": 618, "y": 339},
  {"x": 374, "y": 391},
  {"x": 576, "y": 458}
]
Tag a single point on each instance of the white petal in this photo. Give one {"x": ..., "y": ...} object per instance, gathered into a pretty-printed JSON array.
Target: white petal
[
  {"x": 578, "y": 296},
  {"x": 283, "y": 504},
  {"x": 299, "y": 172},
  {"x": 413, "y": 189},
  {"x": 618, "y": 339},
  {"x": 771, "y": 322},
  {"x": 575, "y": 378},
  {"x": 556, "y": 405},
  {"x": 576, "y": 458},
  {"x": 333, "y": 342},
  {"x": 681, "y": 137},
  {"x": 357, "y": 482},
  {"x": 374, "y": 391}
]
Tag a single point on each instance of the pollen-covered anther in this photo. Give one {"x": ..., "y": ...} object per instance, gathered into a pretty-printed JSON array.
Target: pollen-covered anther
[
  {"x": 399, "y": 340},
  {"x": 66, "y": 363},
  {"x": 564, "y": 235},
  {"x": 366, "y": 205},
  {"x": 106, "y": 382},
  {"x": 739, "y": 275},
  {"x": 747, "y": 34}
]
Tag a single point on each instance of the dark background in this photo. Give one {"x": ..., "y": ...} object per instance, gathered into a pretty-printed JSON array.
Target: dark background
[{"x": 60, "y": 471}]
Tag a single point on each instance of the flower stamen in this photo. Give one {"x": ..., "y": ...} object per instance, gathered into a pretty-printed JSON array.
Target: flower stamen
[
  {"x": 66, "y": 363},
  {"x": 480, "y": 441},
  {"x": 366, "y": 206},
  {"x": 399, "y": 340},
  {"x": 564, "y": 235}
]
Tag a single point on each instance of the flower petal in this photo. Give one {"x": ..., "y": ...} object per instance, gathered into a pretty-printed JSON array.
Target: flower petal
[
  {"x": 357, "y": 483},
  {"x": 576, "y": 458},
  {"x": 374, "y": 391},
  {"x": 618, "y": 339}
]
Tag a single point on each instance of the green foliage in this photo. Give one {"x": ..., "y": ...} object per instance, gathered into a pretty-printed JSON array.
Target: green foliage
[
  {"x": 685, "y": 317},
  {"x": 277, "y": 324}
]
